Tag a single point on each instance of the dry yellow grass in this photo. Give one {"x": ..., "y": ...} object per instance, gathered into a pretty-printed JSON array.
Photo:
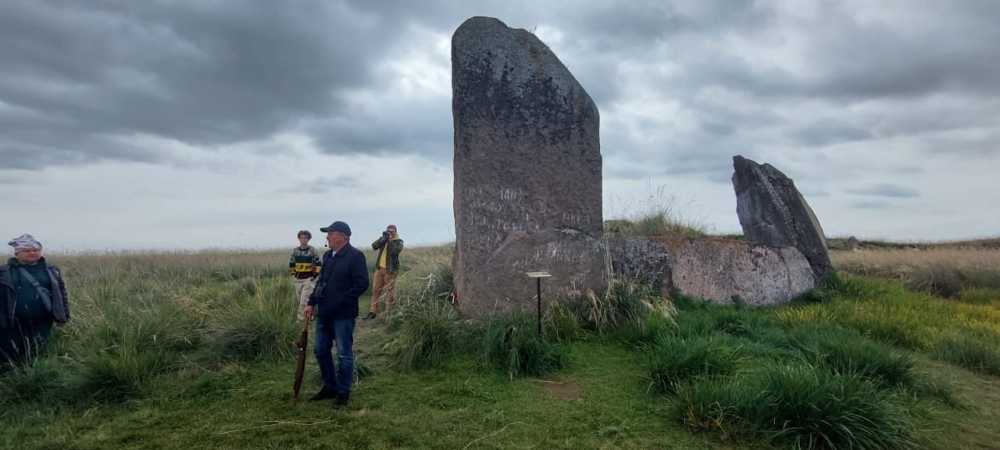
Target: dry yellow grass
[
  {"x": 879, "y": 260},
  {"x": 949, "y": 272}
]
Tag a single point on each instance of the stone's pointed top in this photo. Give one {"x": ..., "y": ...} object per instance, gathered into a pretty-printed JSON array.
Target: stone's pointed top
[
  {"x": 489, "y": 58},
  {"x": 481, "y": 22}
]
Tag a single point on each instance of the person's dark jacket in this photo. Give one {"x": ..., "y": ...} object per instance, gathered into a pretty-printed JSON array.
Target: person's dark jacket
[
  {"x": 342, "y": 280},
  {"x": 394, "y": 247},
  {"x": 60, "y": 299}
]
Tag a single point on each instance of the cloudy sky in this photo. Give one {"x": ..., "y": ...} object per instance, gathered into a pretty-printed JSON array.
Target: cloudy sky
[{"x": 175, "y": 124}]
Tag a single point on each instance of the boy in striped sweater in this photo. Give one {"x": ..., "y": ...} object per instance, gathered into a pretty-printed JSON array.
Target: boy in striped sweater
[{"x": 304, "y": 266}]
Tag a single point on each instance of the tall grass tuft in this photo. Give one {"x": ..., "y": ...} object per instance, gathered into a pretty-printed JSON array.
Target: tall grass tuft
[
  {"x": 656, "y": 217},
  {"x": 847, "y": 352},
  {"x": 561, "y": 323},
  {"x": 974, "y": 353},
  {"x": 258, "y": 324},
  {"x": 48, "y": 379},
  {"x": 672, "y": 361},
  {"x": 512, "y": 344},
  {"x": 428, "y": 333},
  {"x": 128, "y": 346},
  {"x": 801, "y": 406},
  {"x": 626, "y": 303},
  {"x": 426, "y": 325}
]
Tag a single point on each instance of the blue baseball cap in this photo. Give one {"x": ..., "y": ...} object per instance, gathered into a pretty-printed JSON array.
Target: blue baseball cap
[{"x": 337, "y": 226}]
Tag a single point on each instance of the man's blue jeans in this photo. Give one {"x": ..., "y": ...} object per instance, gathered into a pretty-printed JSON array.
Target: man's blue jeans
[{"x": 327, "y": 332}]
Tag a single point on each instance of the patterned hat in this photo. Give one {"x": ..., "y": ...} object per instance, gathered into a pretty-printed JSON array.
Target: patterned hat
[{"x": 25, "y": 242}]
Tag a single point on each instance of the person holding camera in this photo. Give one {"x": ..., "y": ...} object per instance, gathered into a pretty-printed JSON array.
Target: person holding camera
[{"x": 389, "y": 246}]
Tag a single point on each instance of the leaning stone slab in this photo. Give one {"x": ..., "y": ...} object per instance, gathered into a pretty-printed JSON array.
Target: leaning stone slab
[
  {"x": 729, "y": 271},
  {"x": 772, "y": 212},
  {"x": 527, "y": 172}
]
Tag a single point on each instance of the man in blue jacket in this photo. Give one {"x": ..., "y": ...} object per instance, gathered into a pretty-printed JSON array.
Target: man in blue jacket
[{"x": 334, "y": 303}]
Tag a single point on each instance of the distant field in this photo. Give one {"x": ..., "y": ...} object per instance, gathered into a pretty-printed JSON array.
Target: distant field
[
  {"x": 193, "y": 350},
  {"x": 950, "y": 271},
  {"x": 986, "y": 243}
]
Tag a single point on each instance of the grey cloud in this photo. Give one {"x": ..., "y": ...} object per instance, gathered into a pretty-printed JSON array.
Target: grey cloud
[
  {"x": 323, "y": 185},
  {"x": 807, "y": 193},
  {"x": 886, "y": 190},
  {"x": 9, "y": 180},
  {"x": 871, "y": 204},
  {"x": 820, "y": 134},
  {"x": 216, "y": 73},
  {"x": 201, "y": 73},
  {"x": 419, "y": 126}
]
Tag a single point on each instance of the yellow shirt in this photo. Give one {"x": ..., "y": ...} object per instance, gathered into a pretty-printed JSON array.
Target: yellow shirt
[{"x": 382, "y": 263}]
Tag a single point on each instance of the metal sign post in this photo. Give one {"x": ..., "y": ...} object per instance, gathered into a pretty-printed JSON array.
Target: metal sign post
[{"x": 538, "y": 279}]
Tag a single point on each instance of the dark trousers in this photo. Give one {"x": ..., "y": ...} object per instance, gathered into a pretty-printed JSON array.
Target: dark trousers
[
  {"x": 24, "y": 340},
  {"x": 341, "y": 331}
]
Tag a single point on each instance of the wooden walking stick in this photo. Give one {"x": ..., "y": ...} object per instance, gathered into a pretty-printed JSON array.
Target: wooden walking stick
[{"x": 300, "y": 363}]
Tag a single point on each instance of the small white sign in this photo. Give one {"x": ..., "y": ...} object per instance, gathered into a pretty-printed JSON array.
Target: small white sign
[{"x": 538, "y": 274}]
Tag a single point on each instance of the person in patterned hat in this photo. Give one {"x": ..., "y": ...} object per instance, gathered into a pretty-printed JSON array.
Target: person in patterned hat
[{"x": 32, "y": 298}]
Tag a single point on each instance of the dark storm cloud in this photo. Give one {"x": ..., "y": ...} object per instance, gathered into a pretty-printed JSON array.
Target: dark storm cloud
[
  {"x": 203, "y": 73},
  {"x": 886, "y": 190},
  {"x": 413, "y": 127},
  {"x": 78, "y": 79}
]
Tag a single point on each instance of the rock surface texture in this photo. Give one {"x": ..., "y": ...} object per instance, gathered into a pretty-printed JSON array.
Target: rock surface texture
[
  {"x": 527, "y": 172},
  {"x": 723, "y": 271},
  {"x": 729, "y": 271},
  {"x": 773, "y": 213}
]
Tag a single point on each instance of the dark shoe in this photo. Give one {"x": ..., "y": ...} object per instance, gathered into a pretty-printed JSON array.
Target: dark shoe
[
  {"x": 341, "y": 401},
  {"x": 323, "y": 394},
  {"x": 370, "y": 316}
]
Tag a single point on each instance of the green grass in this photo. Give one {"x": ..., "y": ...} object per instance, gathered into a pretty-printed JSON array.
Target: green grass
[
  {"x": 800, "y": 406},
  {"x": 673, "y": 361},
  {"x": 194, "y": 351},
  {"x": 889, "y": 313},
  {"x": 514, "y": 346},
  {"x": 427, "y": 333}
]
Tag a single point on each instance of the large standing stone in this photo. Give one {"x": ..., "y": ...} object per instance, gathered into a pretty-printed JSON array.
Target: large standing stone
[
  {"x": 527, "y": 171},
  {"x": 773, "y": 213}
]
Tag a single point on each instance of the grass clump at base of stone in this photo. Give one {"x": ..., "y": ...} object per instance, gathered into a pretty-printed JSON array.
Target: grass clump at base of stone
[
  {"x": 427, "y": 334},
  {"x": 512, "y": 345}
]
